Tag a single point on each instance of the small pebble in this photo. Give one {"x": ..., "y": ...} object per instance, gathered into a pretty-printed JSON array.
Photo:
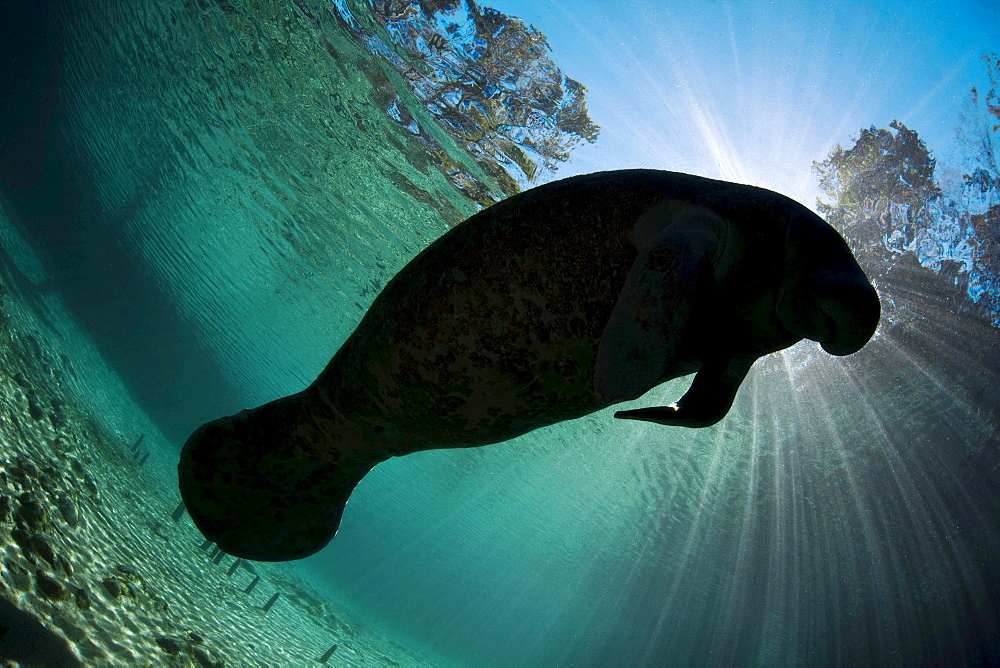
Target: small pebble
[
  {"x": 31, "y": 514},
  {"x": 18, "y": 577},
  {"x": 114, "y": 587},
  {"x": 77, "y": 467},
  {"x": 206, "y": 660},
  {"x": 63, "y": 564},
  {"x": 22, "y": 538},
  {"x": 169, "y": 645},
  {"x": 90, "y": 486},
  {"x": 35, "y": 409},
  {"x": 42, "y": 548},
  {"x": 25, "y": 471},
  {"x": 51, "y": 588},
  {"x": 82, "y": 597},
  {"x": 130, "y": 573},
  {"x": 67, "y": 508}
]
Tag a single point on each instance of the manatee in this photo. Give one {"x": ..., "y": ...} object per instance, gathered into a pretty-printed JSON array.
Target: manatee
[{"x": 555, "y": 303}]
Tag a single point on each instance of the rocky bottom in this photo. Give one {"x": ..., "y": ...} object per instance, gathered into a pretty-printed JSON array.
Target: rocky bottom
[{"x": 95, "y": 569}]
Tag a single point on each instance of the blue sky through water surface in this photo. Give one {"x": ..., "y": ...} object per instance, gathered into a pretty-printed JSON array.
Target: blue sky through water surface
[{"x": 756, "y": 91}]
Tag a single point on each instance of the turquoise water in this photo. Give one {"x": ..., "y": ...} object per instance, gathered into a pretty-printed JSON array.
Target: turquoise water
[{"x": 201, "y": 199}]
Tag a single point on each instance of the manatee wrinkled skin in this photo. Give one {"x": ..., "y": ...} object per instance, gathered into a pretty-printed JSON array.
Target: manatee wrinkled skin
[{"x": 555, "y": 303}]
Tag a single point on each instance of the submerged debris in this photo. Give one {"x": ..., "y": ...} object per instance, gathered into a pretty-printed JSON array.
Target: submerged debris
[
  {"x": 327, "y": 654},
  {"x": 270, "y": 602},
  {"x": 252, "y": 585}
]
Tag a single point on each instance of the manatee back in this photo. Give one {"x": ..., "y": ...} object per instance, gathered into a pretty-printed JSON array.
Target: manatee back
[{"x": 510, "y": 303}]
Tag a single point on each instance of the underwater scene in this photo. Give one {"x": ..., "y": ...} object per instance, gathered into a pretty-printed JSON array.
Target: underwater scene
[{"x": 200, "y": 200}]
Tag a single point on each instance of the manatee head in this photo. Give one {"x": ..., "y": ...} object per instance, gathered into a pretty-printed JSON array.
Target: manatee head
[
  {"x": 825, "y": 296},
  {"x": 261, "y": 486}
]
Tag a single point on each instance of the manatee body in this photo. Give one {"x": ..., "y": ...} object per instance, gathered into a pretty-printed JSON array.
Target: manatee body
[{"x": 553, "y": 304}]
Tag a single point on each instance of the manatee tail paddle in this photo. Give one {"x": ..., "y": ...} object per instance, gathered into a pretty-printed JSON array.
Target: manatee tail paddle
[{"x": 260, "y": 486}]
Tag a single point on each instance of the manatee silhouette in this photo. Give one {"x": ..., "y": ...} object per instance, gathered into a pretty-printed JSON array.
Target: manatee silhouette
[{"x": 555, "y": 303}]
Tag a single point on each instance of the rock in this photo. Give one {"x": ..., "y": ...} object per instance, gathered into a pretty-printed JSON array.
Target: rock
[
  {"x": 51, "y": 478},
  {"x": 4, "y": 508},
  {"x": 31, "y": 514},
  {"x": 195, "y": 638},
  {"x": 160, "y": 605},
  {"x": 67, "y": 508},
  {"x": 51, "y": 588},
  {"x": 205, "y": 659},
  {"x": 77, "y": 467},
  {"x": 90, "y": 486},
  {"x": 35, "y": 409},
  {"x": 61, "y": 445},
  {"x": 42, "y": 548},
  {"x": 171, "y": 646},
  {"x": 23, "y": 539},
  {"x": 25, "y": 471},
  {"x": 114, "y": 587},
  {"x": 82, "y": 597},
  {"x": 56, "y": 416},
  {"x": 18, "y": 577},
  {"x": 22, "y": 381},
  {"x": 63, "y": 564},
  {"x": 128, "y": 572}
]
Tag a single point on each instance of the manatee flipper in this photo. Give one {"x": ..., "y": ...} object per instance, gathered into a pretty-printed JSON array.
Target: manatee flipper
[
  {"x": 653, "y": 310},
  {"x": 707, "y": 400}
]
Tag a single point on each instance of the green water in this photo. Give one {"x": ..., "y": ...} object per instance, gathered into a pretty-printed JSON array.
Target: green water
[{"x": 218, "y": 191}]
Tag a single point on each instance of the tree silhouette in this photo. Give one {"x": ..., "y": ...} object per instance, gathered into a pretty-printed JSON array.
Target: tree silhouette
[
  {"x": 884, "y": 199},
  {"x": 488, "y": 81},
  {"x": 880, "y": 191},
  {"x": 978, "y": 135}
]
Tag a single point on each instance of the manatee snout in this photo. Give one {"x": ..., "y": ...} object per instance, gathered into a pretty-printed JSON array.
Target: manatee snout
[
  {"x": 853, "y": 309},
  {"x": 839, "y": 309}
]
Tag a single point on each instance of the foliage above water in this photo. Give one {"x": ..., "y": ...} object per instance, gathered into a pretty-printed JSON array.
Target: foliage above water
[
  {"x": 886, "y": 199},
  {"x": 882, "y": 187},
  {"x": 487, "y": 80}
]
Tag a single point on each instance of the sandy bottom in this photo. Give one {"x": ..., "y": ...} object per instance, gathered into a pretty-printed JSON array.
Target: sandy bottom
[{"x": 94, "y": 570}]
